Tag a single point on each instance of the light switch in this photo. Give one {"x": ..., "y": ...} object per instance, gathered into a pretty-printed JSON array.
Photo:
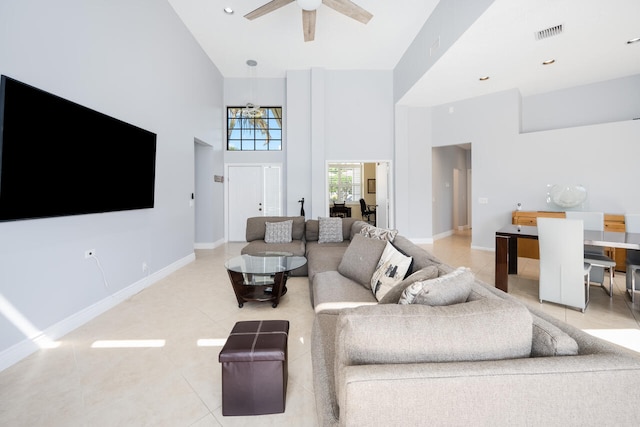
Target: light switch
[{"x": 483, "y": 201}]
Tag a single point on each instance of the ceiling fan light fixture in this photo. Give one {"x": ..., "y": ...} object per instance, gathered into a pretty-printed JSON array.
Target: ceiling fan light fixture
[
  {"x": 633, "y": 40},
  {"x": 548, "y": 62},
  {"x": 309, "y": 4},
  {"x": 484, "y": 78}
]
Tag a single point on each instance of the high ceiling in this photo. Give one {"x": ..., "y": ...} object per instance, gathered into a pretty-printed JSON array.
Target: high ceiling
[{"x": 501, "y": 44}]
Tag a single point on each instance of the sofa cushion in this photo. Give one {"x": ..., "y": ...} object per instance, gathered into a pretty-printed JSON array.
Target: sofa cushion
[
  {"x": 361, "y": 258},
  {"x": 256, "y": 227},
  {"x": 312, "y": 229},
  {"x": 374, "y": 232},
  {"x": 487, "y": 329},
  {"x": 393, "y": 295},
  {"x": 278, "y": 232},
  {"x": 452, "y": 288},
  {"x": 331, "y": 290},
  {"x": 391, "y": 270}
]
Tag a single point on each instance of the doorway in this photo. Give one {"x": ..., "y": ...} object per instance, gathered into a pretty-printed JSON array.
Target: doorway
[
  {"x": 451, "y": 178},
  {"x": 348, "y": 182},
  {"x": 251, "y": 190}
]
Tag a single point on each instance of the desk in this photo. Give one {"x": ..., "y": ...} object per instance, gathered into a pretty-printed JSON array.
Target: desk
[
  {"x": 340, "y": 210},
  {"x": 507, "y": 247}
]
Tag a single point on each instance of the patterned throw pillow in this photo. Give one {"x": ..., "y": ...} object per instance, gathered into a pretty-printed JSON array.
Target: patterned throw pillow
[
  {"x": 452, "y": 288},
  {"x": 278, "y": 232},
  {"x": 391, "y": 269},
  {"x": 329, "y": 230},
  {"x": 374, "y": 232}
]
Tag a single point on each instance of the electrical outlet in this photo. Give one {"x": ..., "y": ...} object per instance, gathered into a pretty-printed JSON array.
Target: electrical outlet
[
  {"x": 145, "y": 267},
  {"x": 89, "y": 253}
]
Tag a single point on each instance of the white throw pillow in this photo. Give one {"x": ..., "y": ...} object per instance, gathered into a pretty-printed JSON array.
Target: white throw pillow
[
  {"x": 391, "y": 269},
  {"x": 278, "y": 232},
  {"x": 329, "y": 230}
]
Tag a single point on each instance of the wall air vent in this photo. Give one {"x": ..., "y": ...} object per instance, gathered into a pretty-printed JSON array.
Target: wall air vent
[{"x": 549, "y": 32}]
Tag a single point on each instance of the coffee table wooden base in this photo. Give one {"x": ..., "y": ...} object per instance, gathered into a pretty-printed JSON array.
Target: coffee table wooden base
[{"x": 266, "y": 292}]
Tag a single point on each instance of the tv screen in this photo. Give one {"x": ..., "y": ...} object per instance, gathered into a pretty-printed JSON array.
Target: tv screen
[{"x": 59, "y": 158}]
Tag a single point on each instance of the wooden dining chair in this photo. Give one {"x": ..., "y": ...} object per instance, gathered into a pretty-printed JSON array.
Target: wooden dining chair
[
  {"x": 632, "y": 225},
  {"x": 564, "y": 276},
  {"x": 594, "y": 255}
]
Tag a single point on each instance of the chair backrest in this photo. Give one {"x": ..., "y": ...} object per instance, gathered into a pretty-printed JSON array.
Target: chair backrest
[
  {"x": 632, "y": 223},
  {"x": 591, "y": 220},
  {"x": 561, "y": 244},
  {"x": 363, "y": 206}
]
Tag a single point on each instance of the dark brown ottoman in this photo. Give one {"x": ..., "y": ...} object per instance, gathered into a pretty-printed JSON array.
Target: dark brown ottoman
[{"x": 254, "y": 368}]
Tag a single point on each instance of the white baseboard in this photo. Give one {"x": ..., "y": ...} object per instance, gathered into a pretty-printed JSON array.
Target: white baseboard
[
  {"x": 19, "y": 351},
  {"x": 209, "y": 245},
  {"x": 443, "y": 235},
  {"x": 421, "y": 241}
]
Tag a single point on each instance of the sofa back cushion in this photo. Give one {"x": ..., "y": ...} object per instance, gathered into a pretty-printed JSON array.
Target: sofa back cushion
[
  {"x": 486, "y": 329},
  {"x": 256, "y": 226},
  {"x": 361, "y": 258},
  {"x": 421, "y": 258}
]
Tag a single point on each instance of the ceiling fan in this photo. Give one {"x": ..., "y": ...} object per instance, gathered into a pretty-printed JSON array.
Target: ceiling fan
[{"x": 346, "y": 7}]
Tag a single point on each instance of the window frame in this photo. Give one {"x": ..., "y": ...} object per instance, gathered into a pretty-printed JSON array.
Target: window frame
[
  {"x": 248, "y": 130},
  {"x": 356, "y": 184}
]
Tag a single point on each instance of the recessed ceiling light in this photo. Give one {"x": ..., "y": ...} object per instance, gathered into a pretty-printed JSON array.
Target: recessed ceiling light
[
  {"x": 228, "y": 11},
  {"x": 548, "y": 62},
  {"x": 483, "y": 78},
  {"x": 633, "y": 40}
]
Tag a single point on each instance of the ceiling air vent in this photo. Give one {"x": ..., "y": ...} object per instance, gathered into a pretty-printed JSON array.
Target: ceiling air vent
[{"x": 549, "y": 32}]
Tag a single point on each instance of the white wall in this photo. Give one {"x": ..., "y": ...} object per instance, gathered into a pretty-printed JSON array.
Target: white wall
[
  {"x": 137, "y": 62},
  {"x": 511, "y": 167},
  {"x": 334, "y": 116}
]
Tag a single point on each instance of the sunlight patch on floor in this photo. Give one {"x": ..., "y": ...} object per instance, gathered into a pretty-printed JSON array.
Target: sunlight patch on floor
[{"x": 629, "y": 338}]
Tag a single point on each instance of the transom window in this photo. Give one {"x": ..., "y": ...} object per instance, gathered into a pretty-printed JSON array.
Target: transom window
[
  {"x": 258, "y": 129},
  {"x": 345, "y": 182}
]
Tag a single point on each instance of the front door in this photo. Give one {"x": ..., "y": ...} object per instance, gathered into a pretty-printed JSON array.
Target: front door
[{"x": 253, "y": 190}]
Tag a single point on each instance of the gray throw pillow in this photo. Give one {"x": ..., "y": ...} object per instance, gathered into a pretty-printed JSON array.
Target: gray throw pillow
[
  {"x": 278, "y": 232},
  {"x": 393, "y": 295},
  {"x": 361, "y": 258},
  {"x": 329, "y": 230},
  {"x": 452, "y": 288}
]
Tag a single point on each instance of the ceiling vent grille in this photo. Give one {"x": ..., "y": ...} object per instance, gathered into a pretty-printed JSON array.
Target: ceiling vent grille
[{"x": 549, "y": 32}]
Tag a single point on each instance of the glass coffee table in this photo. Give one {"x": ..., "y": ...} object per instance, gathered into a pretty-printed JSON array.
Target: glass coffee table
[{"x": 262, "y": 276}]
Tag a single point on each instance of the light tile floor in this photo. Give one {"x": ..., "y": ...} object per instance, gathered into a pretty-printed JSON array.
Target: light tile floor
[{"x": 191, "y": 312}]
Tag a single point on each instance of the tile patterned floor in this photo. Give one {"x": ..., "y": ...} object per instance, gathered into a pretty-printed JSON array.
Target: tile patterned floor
[{"x": 190, "y": 313}]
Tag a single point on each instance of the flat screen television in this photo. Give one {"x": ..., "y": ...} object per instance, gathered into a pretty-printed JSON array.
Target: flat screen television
[{"x": 58, "y": 158}]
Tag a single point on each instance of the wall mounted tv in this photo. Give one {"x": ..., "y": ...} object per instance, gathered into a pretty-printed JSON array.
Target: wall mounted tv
[{"x": 58, "y": 158}]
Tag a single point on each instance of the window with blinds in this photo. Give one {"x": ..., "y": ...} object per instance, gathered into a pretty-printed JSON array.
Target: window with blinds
[{"x": 345, "y": 182}]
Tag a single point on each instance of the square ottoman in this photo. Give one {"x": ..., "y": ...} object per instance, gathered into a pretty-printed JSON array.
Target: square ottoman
[{"x": 254, "y": 368}]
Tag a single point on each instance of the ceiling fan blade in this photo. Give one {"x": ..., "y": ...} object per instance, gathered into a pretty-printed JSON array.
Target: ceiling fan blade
[
  {"x": 266, "y": 8},
  {"x": 350, "y": 9},
  {"x": 309, "y": 25}
]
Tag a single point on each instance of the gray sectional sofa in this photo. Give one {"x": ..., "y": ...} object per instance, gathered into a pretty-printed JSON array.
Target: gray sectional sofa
[{"x": 489, "y": 360}]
